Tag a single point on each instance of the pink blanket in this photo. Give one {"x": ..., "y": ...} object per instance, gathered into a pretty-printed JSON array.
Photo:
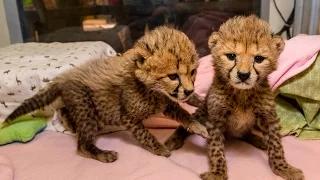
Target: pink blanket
[
  {"x": 6, "y": 168},
  {"x": 52, "y": 156},
  {"x": 299, "y": 53}
]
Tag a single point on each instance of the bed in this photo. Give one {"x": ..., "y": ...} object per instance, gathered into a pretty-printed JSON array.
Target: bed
[{"x": 51, "y": 155}]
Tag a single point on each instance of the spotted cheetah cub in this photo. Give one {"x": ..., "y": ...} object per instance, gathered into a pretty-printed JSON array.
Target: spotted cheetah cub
[
  {"x": 152, "y": 77},
  {"x": 245, "y": 52}
]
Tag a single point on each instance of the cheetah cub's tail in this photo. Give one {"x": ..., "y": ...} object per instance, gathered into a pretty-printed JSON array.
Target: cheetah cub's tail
[{"x": 39, "y": 100}]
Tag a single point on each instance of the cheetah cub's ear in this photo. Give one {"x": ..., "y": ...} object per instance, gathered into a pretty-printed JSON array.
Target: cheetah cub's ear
[
  {"x": 213, "y": 39},
  {"x": 138, "y": 55},
  {"x": 278, "y": 43}
]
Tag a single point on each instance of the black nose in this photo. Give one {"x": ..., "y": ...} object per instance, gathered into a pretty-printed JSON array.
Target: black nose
[
  {"x": 188, "y": 92},
  {"x": 243, "y": 76}
]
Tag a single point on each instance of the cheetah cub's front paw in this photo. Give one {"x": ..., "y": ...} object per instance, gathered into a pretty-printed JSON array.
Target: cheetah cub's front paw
[
  {"x": 289, "y": 172},
  {"x": 174, "y": 143},
  {"x": 196, "y": 128},
  {"x": 108, "y": 156},
  {"x": 103, "y": 156},
  {"x": 162, "y": 151},
  {"x": 212, "y": 176}
]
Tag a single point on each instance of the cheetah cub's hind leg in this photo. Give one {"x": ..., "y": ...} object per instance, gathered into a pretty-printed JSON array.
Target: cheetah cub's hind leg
[
  {"x": 255, "y": 140},
  {"x": 66, "y": 119},
  {"x": 82, "y": 110}
]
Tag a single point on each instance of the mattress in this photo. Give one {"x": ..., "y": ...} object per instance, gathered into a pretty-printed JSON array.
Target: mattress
[{"x": 52, "y": 156}]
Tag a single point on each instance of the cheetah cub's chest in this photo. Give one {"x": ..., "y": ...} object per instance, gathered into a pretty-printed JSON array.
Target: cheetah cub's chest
[{"x": 240, "y": 122}]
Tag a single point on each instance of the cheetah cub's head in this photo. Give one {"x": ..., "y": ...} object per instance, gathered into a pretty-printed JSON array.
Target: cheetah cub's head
[
  {"x": 167, "y": 62},
  {"x": 245, "y": 51}
]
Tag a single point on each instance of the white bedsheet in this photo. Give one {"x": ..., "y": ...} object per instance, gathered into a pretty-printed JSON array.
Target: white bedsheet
[{"x": 28, "y": 67}]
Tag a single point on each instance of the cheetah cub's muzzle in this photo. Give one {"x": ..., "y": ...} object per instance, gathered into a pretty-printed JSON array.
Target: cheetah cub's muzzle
[{"x": 244, "y": 74}]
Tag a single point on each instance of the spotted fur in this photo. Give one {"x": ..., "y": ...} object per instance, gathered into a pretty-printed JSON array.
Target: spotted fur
[
  {"x": 245, "y": 52},
  {"x": 152, "y": 77}
]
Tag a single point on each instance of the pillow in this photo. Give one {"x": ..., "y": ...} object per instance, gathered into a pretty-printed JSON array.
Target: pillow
[{"x": 22, "y": 129}]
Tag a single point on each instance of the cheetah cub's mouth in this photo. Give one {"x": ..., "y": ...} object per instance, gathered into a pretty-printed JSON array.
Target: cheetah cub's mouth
[
  {"x": 181, "y": 93},
  {"x": 181, "y": 88}
]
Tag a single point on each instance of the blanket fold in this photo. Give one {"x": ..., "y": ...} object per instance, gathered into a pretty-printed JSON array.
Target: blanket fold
[{"x": 302, "y": 116}]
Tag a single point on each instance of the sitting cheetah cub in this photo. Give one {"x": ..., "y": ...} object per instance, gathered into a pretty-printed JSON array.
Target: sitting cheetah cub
[
  {"x": 152, "y": 77},
  {"x": 245, "y": 52}
]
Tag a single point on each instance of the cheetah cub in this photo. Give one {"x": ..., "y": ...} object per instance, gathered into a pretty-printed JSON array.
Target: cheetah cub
[
  {"x": 152, "y": 77},
  {"x": 245, "y": 52}
]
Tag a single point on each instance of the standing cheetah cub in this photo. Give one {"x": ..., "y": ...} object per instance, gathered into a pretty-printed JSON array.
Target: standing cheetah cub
[
  {"x": 245, "y": 52},
  {"x": 152, "y": 77}
]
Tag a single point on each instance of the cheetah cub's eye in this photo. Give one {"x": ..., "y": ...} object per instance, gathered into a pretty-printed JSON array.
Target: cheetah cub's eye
[
  {"x": 258, "y": 59},
  {"x": 173, "y": 76},
  {"x": 231, "y": 57},
  {"x": 193, "y": 72}
]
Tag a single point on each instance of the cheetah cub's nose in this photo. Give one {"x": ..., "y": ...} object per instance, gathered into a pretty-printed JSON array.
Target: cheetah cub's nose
[
  {"x": 243, "y": 76},
  {"x": 188, "y": 92}
]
